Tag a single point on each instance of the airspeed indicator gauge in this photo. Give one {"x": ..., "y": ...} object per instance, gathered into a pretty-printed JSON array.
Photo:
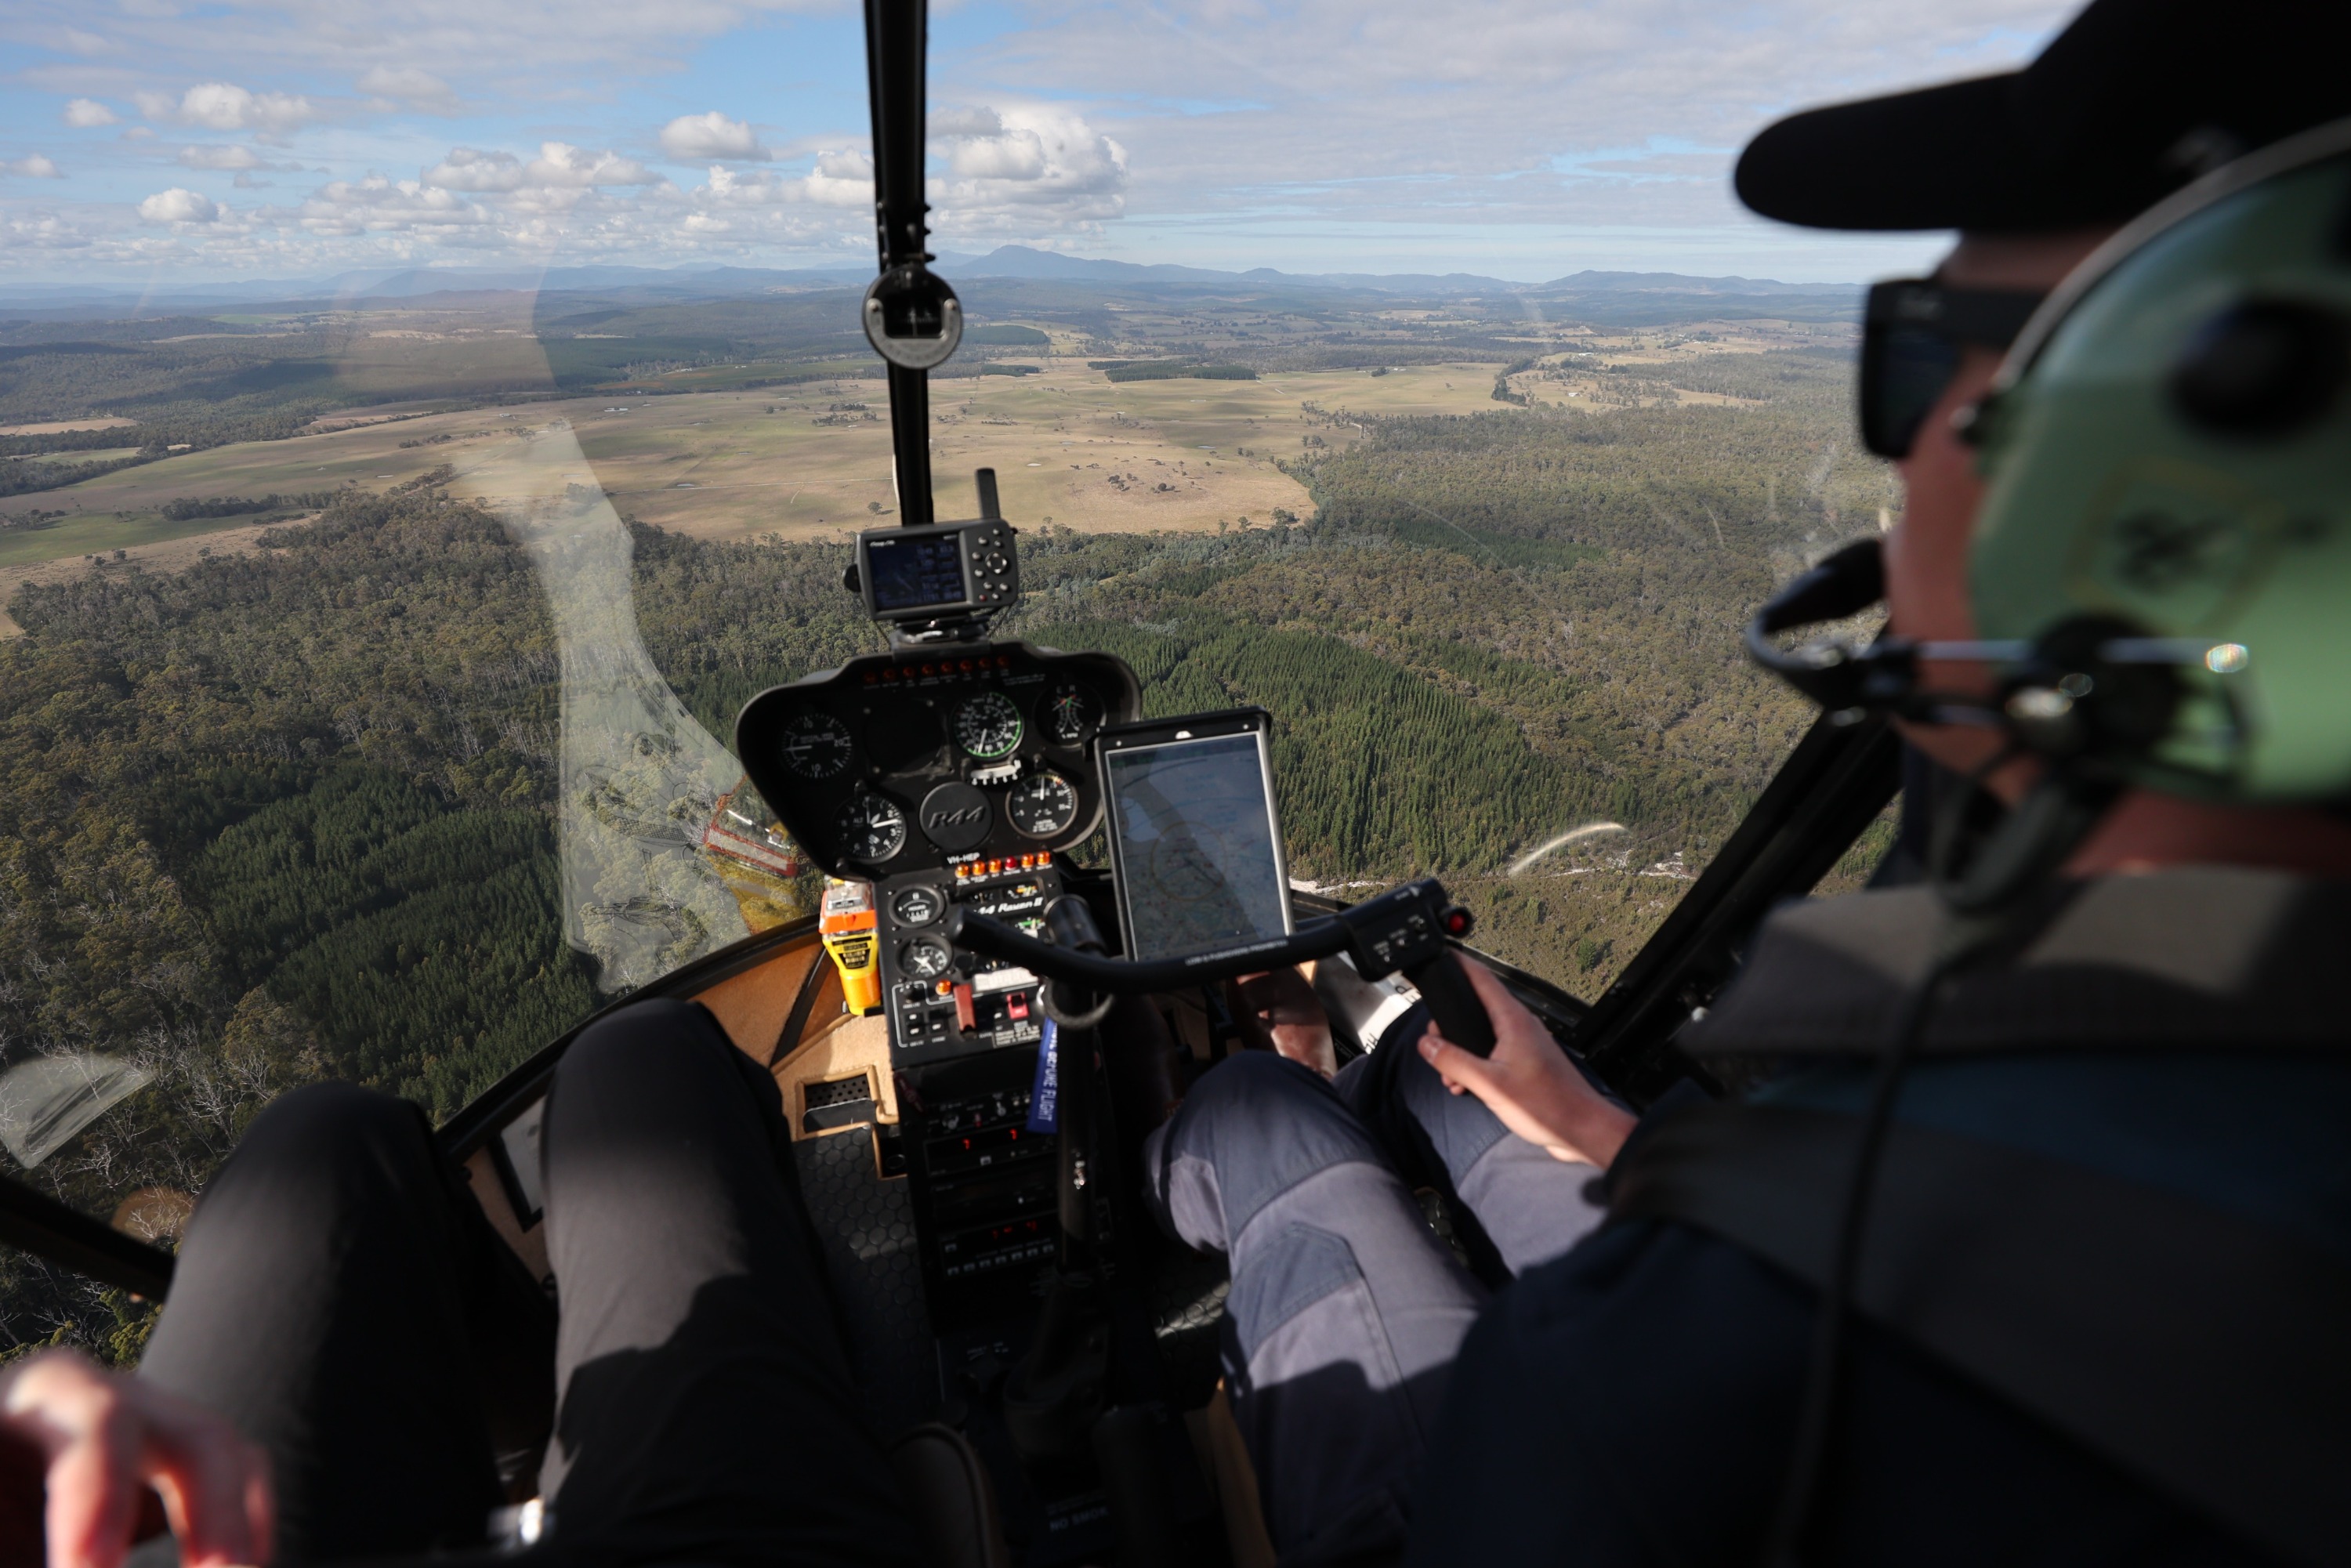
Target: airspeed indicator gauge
[
  {"x": 815, "y": 745},
  {"x": 1070, "y": 713},
  {"x": 1042, "y": 805},
  {"x": 987, "y": 726},
  {"x": 871, "y": 828}
]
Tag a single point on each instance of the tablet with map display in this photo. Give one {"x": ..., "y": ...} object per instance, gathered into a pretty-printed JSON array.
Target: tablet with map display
[{"x": 1196, "y": 845}]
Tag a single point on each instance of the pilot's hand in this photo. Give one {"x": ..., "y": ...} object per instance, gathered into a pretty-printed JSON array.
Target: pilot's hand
[
  {"x": 1529, "y": 1081},
  {"x": 1291, "y": 1015},
  {"x": 107, "y": 1437}
]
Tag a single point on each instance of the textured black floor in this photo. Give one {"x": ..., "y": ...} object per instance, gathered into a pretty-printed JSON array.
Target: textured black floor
[{"x": 867, "y": 1226}]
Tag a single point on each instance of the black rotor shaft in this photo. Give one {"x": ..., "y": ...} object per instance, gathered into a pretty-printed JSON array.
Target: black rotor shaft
[{"x": 896, "y": 60}]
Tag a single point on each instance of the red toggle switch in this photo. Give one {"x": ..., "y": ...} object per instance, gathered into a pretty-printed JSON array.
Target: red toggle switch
[
  {"x": 966, "y": 1018},
  {"x": 1016, "y": 1005}
]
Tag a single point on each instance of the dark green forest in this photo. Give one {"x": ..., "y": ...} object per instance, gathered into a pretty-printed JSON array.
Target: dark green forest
[{"x": 290, "y": 814}]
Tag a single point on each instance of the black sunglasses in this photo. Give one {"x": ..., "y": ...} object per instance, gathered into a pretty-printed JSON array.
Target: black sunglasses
[{"x": 1911, "y": 336}]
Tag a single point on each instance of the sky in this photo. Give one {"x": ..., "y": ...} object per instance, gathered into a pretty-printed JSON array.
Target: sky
[{"x": 157, "y": 143}]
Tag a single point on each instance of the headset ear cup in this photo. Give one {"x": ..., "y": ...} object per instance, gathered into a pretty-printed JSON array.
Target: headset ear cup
[{"x": 2263, "y": 368}]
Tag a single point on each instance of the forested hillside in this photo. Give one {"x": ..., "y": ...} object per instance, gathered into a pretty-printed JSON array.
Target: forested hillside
[
  {"x": 1497, "y": 629},
  {"x": 291, "y": 814},
  {"x": 279, "y": 816}
]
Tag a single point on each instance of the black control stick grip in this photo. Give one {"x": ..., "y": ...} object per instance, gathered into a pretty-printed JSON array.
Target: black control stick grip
[
  {"x": 1453, "y": 1002},
  {"x": 1406, "y": 929}
]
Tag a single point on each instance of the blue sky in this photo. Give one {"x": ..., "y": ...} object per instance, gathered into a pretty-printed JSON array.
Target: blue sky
[{"x": 147, "y": 142}]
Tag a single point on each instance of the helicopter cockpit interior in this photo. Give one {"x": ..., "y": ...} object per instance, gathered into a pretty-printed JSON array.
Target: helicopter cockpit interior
[{"x": 959, "y": 1148}]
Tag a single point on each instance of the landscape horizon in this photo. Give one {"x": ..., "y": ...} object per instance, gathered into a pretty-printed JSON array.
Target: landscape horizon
[{"x": 370, "y": 661}]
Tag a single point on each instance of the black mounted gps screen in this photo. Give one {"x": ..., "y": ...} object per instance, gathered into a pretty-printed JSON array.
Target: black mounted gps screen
[
  {"x": 923, "y": 572},
  {"x": 941, "y": 571},
  {"x": 1196, "y": 847}
]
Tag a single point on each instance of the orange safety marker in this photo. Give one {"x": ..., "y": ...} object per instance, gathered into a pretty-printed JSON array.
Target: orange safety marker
[{"x": 846, "y": 923}]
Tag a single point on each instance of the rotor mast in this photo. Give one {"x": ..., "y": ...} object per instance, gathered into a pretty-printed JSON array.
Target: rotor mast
[{"x": 912, "y": 316}]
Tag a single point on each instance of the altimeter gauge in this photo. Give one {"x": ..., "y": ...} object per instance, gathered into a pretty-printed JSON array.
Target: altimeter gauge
[
  {"x": 1042, "y": 805},
  {"x": 1070, "y": 713},
  {"x": 923, "y": 958},
  {"x": 815, "y": 745},
  {"x": 871, "y": 828},
  {"x": 987, "y": 726}
]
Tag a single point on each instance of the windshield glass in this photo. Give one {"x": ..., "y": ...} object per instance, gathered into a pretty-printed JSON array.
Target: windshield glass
[{"x": 415, "y": 447}]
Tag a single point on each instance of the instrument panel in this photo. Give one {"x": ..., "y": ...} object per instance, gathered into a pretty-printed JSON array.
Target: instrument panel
[
  {"x": 920, "y": 760},
  {"x": 954, "y": 774}
]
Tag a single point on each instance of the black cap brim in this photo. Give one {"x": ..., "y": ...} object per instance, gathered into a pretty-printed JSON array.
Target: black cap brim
[
  {"x": 1948, "y": 157},
  {"x": 2130, "y": 101},
  {"x": 1934, "y": 159}
]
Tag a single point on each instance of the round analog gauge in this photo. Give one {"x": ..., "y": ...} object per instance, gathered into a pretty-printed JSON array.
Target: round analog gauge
[
  {"x": 1042, "y": 804},
  {"x": 987, "y": 726},
  {"x": 1072, "y": 711},
  {"x": 923, "y": 958},
  {"x": 917, "y": 905},
  {"x": 815, "y": 745},
  {"x": 871, "y": 828}
]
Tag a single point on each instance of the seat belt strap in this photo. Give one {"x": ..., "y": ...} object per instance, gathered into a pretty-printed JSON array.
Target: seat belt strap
[{"x": 2201, "y": 1351}]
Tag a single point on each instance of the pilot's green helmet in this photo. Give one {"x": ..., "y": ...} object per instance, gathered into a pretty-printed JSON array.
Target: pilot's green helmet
[{"x": 2168, "y": 460}]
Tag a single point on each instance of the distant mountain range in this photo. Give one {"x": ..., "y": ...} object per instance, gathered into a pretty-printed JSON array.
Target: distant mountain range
[{"x": 1011, "y": 261}]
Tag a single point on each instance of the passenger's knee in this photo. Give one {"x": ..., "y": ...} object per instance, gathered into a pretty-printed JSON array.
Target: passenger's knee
[
  {"x": 318, "y": 1161},
  {"x": 643, "y": 1038},
  {"x": 320, "y": 1127}
]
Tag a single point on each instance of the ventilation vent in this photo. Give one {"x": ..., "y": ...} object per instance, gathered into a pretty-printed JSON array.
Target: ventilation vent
[{"x": 842, "y": 1102}]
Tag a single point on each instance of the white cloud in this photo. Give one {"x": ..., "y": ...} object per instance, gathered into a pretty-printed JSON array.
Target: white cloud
[
  {"x": 221, "y": 106},
  {"x": 224, "y": 157},
  {"x": 1026, "y": 167},
  {"x": 33, "y": 166},
  {"x": 1229, "y": 132},
  {"x": 46, "y": 233},
  {"x": 379, "y": 205},
  {"x": 841, "y": 180},
  {"x": 1396, "y": 112},
  {"x": 756, "y": 188},
  {"x": 468, "y": 170},
  {"x": 559, "y": 165},
  {"x": 179, "y": 206},
  {"x": 419, "y": 89},
  {"x": 690, "y": 138},
  {"x": 965, "y": 121}
]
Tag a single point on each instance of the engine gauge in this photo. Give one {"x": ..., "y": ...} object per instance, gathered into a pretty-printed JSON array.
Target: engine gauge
[
  {"x": 1042, "y": 805},
  {"x": 924, "y": 958},
  {"x": 1072, "y": 711},
  {"x": 871, "y": 828},
  {"x": 917, "y": 905},
  {"x": 815, "y": 745},
  {"x": 987, "y": 726}
]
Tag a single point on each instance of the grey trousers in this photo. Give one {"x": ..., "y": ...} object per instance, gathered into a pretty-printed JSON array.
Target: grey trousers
[{"x": 1347, "y": 1310}]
